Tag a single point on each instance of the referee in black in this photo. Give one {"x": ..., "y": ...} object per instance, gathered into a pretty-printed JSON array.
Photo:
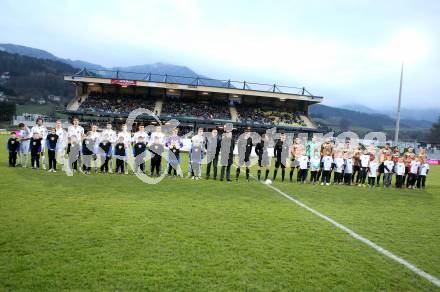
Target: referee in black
[
  {"x": 263, "y": 156},
  {"x": 281, "y": 151},
  {"x": 213, "y": 145},
  {"x": 244, "y": 146},
  {"x": 227, "y": 154}
]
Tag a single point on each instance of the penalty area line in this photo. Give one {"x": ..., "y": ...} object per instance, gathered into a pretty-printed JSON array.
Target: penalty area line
[{"x": 368, "y": 242}]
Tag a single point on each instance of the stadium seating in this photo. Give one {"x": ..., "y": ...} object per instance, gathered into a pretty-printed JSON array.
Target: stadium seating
[
  {"x": 212, "y": 110},
  {"x": 191, "y": 108},
  {"x": 113, "y": 104},
  {"x": 255, "y": 115}
]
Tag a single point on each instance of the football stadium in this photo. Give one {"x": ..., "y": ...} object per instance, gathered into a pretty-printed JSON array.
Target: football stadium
[
  {"x": 103, "y": 231},
  {"x": 157, "y": 178}
]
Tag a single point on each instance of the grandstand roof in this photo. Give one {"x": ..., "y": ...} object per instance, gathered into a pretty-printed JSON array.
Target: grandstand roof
[{"x": 199, "y": 84}]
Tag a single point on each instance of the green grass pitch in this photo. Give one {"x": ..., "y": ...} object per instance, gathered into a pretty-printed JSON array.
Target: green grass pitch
[{"x": 108, "y": 232}]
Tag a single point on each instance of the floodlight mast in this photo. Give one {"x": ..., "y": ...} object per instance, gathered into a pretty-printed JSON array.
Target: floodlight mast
[
  {"x": 396, "y": 134},
  {"x": 410, "y": 45}
]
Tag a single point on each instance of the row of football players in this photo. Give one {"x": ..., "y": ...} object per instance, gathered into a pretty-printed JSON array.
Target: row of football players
[
  {"x": 345, "y": 163},
  {"x": 85, "y": 149},
  {"x": 76, "y": 143}
]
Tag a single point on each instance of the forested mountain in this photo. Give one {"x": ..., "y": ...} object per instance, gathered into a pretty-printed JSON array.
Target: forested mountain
[
  {"x": 339, "y": 120},
  {"x": 136, "y": 72},
  {"x": 42, "y": 54},
  {"x": 35, "y": 78}
]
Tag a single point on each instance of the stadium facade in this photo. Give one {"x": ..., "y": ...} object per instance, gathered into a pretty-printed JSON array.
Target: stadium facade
[{"x": 103, "y": 95}]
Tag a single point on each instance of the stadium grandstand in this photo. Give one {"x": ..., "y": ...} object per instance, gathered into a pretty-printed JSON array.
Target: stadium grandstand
[{"x": 103, "y": 95}]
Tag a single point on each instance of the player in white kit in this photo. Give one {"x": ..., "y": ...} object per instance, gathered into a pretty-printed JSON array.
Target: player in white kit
[
  {"x": 41, "y": 130},
  {"x": 139, "y": 133},
  {"x": 24, "y": 144},
  {"x": 126, "y": 135},
  {"x": 96, "y": 137},
  {"x": 62, "y": 142},
  {"x": 111, "y": 134},
  {"x": 158, "y": 133},
  {"x": 75, "y": 130}
]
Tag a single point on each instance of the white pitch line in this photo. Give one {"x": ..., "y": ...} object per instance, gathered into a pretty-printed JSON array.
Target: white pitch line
[{"x": 368, "y": 242}]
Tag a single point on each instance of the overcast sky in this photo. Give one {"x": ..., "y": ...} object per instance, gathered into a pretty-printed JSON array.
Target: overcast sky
[{"x": 348, "y": 51}]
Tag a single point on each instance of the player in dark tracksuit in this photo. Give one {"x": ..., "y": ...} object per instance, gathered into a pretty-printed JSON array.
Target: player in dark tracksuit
[
  {"x": 52, "y": 142},
  {"x": 244, "y": 146},
  {"x": 263, "y": 156},
  {"x": 281, "y": 151},
  {"x": 87, "y": 151},
  {"x": 213, "y": 145},
  {"x": 139, "y": 152},
  {"x": 226, "y": 155},
  {"x": 156, "y": 150},
  {"x": 120, "y": 155},
  {"x": 35, "y": 148},
  {"x": 174, "y": 158},
  {"x": 174, "y": 145},
  {"x": 105, "y": 150},
  {"x": 13, "y": 146}
]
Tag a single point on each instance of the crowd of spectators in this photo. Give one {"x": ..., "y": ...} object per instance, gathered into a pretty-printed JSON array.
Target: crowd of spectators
[
  {"x": 209, "y": 110},
  {"x": 249, "y": 114},
  {"x": 189, "y": 108},
  {"x": 115, "y": 104},
  {"x": 288, "y": 118}
]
